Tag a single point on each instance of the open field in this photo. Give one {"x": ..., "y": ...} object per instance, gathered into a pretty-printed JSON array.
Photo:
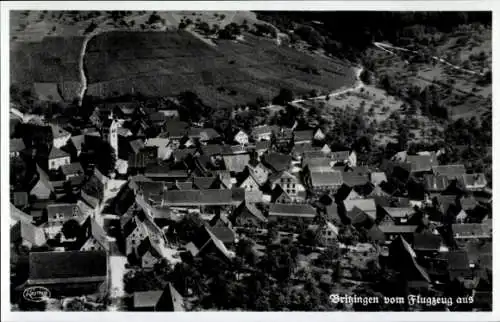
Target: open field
[{"x": 232, "y": 73}]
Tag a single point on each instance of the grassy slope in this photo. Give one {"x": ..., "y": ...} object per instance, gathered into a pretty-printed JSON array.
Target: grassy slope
[
  {"x": 260, "y": 67},
  {"x": 232, "y": 73}
]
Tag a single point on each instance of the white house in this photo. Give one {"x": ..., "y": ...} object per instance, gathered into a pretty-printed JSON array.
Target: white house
[
  {"x": 58, "y": 158},
  {"x": 61, "y": 136},
  {"x": 250, "y": 183},
  {"x": 319, "y": 135}
]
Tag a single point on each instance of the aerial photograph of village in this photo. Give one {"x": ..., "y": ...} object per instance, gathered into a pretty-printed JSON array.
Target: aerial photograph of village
[{"x": 250, "y": 160}]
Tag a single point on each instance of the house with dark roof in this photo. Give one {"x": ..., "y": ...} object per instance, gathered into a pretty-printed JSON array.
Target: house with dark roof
[
  {"x": 72, "y": 170},
  {"x": 421, "y": 163},
  {"x": 394, "y": 215},
  {"x": 451, "y": 171},
  {"x": 403, "y": 258},
  {"x": 263, "y": 132},
  {"x": 291, "y": 213},
  {"x": 276, "y": 162},
  {"x": 340, "y": 156},
  {"x": 147, "y": 255},
  {"x": 473, "y": 181},
  {"x": 205, "y": 242},
  {"x": 305, "y": 136},
  {"x": 168, "y": 300},
  {"x": 436, "y": 183},
  {"x": 68, "y": 273},
  {"x": 392, "y": 232},
  {"x": 352, "y": 179},
  {"x": 199, "y": 198},
  {"x": 458, "y": 265},
  {"x": 427, "y": 244},
  {"x": 367, "y": 206},
  {"x": 278, "y": 195},
  {"x": 16, "y": 146},
  {"x": 247, "y": 215}
]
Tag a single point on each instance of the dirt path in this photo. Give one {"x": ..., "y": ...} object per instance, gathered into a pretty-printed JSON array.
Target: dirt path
[
  {"x": 81, "y": 67},
  {"x": 387, "y": 48}
]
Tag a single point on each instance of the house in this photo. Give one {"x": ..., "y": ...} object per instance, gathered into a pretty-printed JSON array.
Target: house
[
  {"x": 464, "y": 232},
  {"x": 16, "y": 146},
  {"x": 58, "y": 158},
  {"x": 451, "y": 171},
  {"x": 318, "y": 135},
  {"x": 68, "y": 273},
  {"x": 359, "y": 218},
  {"x": 98, "y": 239},
  {"x": 262, "y": 147},
  {"x": 427, "y": 244},
  {"x": 392, "y": 232},
  {"x": 248, "y": 182},
  {"x": 203, "y": 183},
  {"x": 422, "y": 163},
  {"x": 199, "y": 198},
  {"x": 259, "y": 172},
  {"x": 366, "y": 205},
  {"x": 376, "y": 178},
  {"x": 300, "y": 137},
  {"x": 205, "y": 242},
  {"x": 72, "y": 170},
  {"x": 225, "y": 234},
  {"x": 403, "y": 259},
  {"x": 474, "y": 181},
  {"x": 394, "y": 215},
  {"x": 436, "y": 183},
  {"x": 276, "y": 162},
  {"x": 161, "y": 172},
  {"x": 60, "y": 136},
  {"x": 237, "y": 162},
  {"x": 43, "y": 188},
  {"x": 33, "y": 235},
  {"x": 241, "y": 137},
  {"x": 134, "y": 234},
  {"x": 203, "y": 134},
  {"x": 340, "y": 156},
  {"x": 291, "y": 184},
  {"x": 375, "y": 235},
  {"x": 77, "y": 142},
  {"x": 328, "y": 234},
  {"x": 352, "y": 179},
  {"x": 332, "y": 214},
  {"x": 325, "y": 180},
  {"x": 278, "y": 195},
  {"x": 147, "y": 255},
  {"x": 168, "y": 300},
  {"x": 247, "y": 215},
  {"x": 291, "y": 213},
  {"x": 263, "y": 132}
]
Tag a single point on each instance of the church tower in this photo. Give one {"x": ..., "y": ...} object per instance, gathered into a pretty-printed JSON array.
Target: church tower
[{"x": 113, "y": 134}]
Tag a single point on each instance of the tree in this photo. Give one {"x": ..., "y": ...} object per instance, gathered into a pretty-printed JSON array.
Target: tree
[
  {"x": 105, "y": 158},
  {"x": 71, "y": 229},
  {"x": 18, "y": 170},
  {"x": 285, "y": 96},
  {"x": 204, "y": 27}
]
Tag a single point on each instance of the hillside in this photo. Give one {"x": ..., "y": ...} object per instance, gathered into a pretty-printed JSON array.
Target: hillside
[{"x": 147, "y": 53}]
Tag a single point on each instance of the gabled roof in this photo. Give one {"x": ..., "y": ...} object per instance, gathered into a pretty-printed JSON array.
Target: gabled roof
[
  {"x": 170, "y": 300},
  {"x": 64, "y": 209},
  {"x": 56, "y": 153},
  {"x": 399, "y": 212},
  {"x": 317, "y": 164},
  {"x": 204, "y": 134},
  {"x": 145, "y": 246},
  {"x": 136, "y": 145},
  {"x": 421, "y": 163},
  {"x": 262, "y": 145},
  {"x": 450, "y": 171},
  {"x": 398, "y": 229},
  {"x": 279, "y": 192},
  {"x": 473, "y": 180},
  {"x": 277, "y": 161},
  {"x": 264, "y": 129},
  {"x": 472, "y": 230},
  {"x": 457, "y": 260},
  {"x": 352, "y": 179},
  {"x": 328, "y": 178},
  {"x": 306, "y": 135},
  {"x": 72, "y": 168},
  {"x": 426, "y": 242},
  {"x": 363, "y": 204},
  {"x": 292, "y": 210},
  {"x": 236, "y": 163},
  {"x": 224, "y": 234},
  {"x": 78, "y": 141},
  {"x": 198, "y": 197},
  {"x": 378, "y": 177},
  {"x": 340, "y": 156},
  {"x": 54, "y": 267},
  {"x": 129, "y": 227},
  {"x": 252, "y": 210},
  {"x": 58, "y": 132},
  {"x": 436, "y": 182},
  {"x": 16, "y": 145},
  {"x": 146, "y": 299}
]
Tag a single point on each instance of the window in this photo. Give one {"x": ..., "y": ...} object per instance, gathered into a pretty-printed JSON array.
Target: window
[
  {"x": 53, "y": 163},
  {"x": 133, "y": 241}
]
